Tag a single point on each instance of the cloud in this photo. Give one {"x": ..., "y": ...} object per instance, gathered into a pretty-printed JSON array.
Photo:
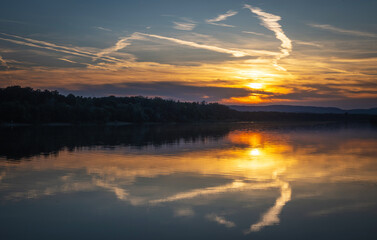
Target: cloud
[
  {"x": 54, "y": 47},
  {"x": 220, "y": 220},
  {"x": 185, "y": 26},
  {"x": 126, "y": 41},
  {"x": 222, "y": 17},
  {"x": 67, "y": 60},
  {"x": 235, "y": 53},
  {"x": 308, "y": 43},
  {"x": 3, "y": 62},
  {"x": 343, "y": 31},
  {"x": 184, "y": 212},
  {"x": 255, "y": 33},
  {"x": 270, "y": 21},
  {"x": 103, "y": 29},
  {"x": 13, "y": 21},
  {"x": 120, "y": 44},
  {"x": 222, "y": 24},
  {"x": 115, "y": 63},
  {"x": 174, "y": 90}
]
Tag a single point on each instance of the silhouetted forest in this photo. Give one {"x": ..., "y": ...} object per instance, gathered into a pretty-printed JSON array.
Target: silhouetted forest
[{"x": 26, "y": 105}]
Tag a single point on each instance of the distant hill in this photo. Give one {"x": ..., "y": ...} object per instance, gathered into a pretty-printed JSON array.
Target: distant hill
[{"x": 302, "y": 109}]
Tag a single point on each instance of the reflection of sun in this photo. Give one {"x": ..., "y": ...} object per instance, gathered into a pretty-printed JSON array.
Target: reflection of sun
[{"x": 255, "y": 85}]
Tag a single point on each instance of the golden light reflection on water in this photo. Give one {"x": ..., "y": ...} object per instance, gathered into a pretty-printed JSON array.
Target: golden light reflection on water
[{"x": 249, "y": 161}]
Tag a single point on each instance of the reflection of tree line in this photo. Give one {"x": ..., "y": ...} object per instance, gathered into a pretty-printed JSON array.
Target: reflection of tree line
[
  {"x": 25, "y": 105},
  {"x": 21, "y": 142}
]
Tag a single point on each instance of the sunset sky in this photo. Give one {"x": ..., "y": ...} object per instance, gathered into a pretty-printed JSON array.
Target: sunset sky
[{"x": 297, "y": 52}]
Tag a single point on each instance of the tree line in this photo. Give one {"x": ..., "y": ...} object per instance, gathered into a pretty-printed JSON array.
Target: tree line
[{"x": 26, "y": 105}]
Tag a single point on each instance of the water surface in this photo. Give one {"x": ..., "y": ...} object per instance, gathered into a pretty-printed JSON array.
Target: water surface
[{"x": 203, "y": 181}]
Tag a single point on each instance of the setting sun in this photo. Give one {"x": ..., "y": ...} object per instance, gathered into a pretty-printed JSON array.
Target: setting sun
[
  {"x": 255, "y": 152},
  {"x": 255, "y": 85}
]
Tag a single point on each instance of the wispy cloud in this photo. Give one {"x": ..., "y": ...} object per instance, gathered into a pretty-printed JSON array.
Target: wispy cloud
[
  {"x": 184, "y": 212},
  {"x": 271, "y": 22},
  {"x": 106, "y": 54},
  {"x": 185, "y": 26},
  {"x": 53, "y": 47},
  {"x": 222, "y": 24},
  {"x": 67, "y": 60},
  {"x": 103, "y": 29},
  {"x": 235, "y": 53},
  {"x": 47, "y": 45},
  {"x": 220, "y": 220},
  {"x": 313, "y": 44},
  {"x": 120, "y": 44},
  {"x": 3, "y": 62},
  {"x": 222, "y": 17},
  {"x": 255, "y": 33},
  {"x": 13, "y": 21},
  {"x": 343, "y": 31}
]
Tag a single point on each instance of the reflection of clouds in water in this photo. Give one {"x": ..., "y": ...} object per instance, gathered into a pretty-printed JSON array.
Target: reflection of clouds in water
[
  {"x": 234, "y": 186},
  {"x": 120, "y": 193},
  {"x": 345, "y": 208},
  {"x": 2, "y": 175},
  {"x": 220, "y": 220},
  {"x": 49, "y": 191},
  {"x": 201, "y": 192},
  {"x": 271, "y": 217},
  {"x": 294, "y": 159}
]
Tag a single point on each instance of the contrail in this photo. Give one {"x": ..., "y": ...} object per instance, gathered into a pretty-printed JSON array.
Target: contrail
[
  {"x": 270, "y": 21},
  {"x": 222, "y": 17},
  {"x": 235, "y": 53},
  {"x": 54, "y": 47},
  {"x": 344, "y": 31}
]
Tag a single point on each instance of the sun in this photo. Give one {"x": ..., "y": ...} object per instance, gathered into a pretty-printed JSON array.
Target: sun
[
  {"x": 254, "y": 152},
  {"x": 255, "y": 85}
]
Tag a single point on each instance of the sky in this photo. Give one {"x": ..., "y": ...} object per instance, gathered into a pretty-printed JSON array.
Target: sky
[{"x": 235, "y": 52}]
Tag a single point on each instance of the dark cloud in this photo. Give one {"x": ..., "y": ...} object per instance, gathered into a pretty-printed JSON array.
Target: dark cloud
[
  {"x": 312, "y": 94},
  {"x": 330, "y": 95},
  {"x": 325, "y": 91}
]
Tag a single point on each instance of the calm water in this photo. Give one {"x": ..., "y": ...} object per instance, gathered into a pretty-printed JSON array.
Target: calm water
[{"x": 215, "y": 181}]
